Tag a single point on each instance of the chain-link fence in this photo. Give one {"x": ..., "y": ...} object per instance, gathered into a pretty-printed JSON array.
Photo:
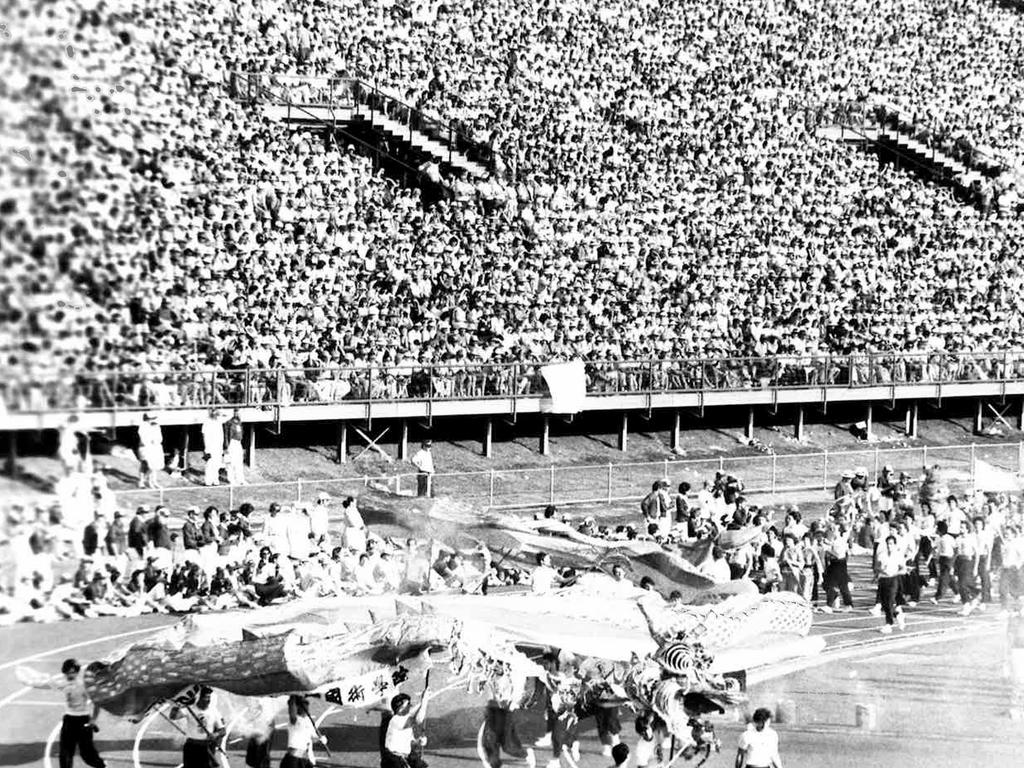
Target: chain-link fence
[{"x": 610, "y": 483}]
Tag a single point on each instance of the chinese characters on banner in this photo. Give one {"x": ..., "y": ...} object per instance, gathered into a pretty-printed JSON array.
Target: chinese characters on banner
[{"x": 366, "y": 689}]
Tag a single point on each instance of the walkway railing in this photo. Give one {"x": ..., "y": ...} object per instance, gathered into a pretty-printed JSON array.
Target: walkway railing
[
  {"x": 787, "y": 474},
  {"x": 256, "y": 387}
]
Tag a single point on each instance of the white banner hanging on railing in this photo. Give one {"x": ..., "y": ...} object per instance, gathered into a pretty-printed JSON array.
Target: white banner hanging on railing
[
  {"x": 567, "y": 383},
  {"x": 992, "y": 479}
]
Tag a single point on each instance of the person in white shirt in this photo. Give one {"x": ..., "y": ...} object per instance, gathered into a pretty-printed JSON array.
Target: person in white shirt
[
  {"x": 545, "y": 578},
  {"x": 986, "y": 541},
  {"x": 354, "y": 536},
  {"x": 397, "y": 747},
  {"x": 213, "y": 447},
  {"x": 301, "y": 731},
  {"x": 298, "y": 532},
  {"x": 275, "y": 530},
  {"x": 890, "y": 562},
  {"x": 203, "y": 727},
  {"x": 759, "y": 744},
  {"x": 423, "y": 460},
  {"x": 151, "y": 451},
  {"x": 80, "y": 715},
  {"x": 717, "y": 568}
]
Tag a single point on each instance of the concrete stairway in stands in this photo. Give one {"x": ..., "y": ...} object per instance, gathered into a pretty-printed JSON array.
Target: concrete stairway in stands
[
  {"x": 381, "y": 124},
  {"x": 939, "y": 164},
  {"x": 442, "y": 153}
]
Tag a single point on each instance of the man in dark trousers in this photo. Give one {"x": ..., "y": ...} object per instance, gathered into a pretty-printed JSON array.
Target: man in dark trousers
[
  {"x": 204, "y": 728},
  {"x": 80, "y": 714},
  {"x": 191, "y": 538},
  {"x": 117, "y": 536},
  {"x": 157, "y": 532},
  {"x": 137, "y": 531}
]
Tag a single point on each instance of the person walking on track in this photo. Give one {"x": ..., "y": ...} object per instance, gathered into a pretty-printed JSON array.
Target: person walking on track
[{"x": 80, "y": 714}]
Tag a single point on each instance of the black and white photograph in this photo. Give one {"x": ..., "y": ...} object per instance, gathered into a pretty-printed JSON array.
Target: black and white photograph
[{"x": 511, "y": 383}]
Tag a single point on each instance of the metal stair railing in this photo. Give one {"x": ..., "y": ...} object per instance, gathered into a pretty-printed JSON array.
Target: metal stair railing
[{"x": 354, "y": 92}]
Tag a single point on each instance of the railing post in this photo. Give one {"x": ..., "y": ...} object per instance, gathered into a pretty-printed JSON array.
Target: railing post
[
  {"x": 246, "y": 393},
  {"x": 161, "y": 497},
  {"x": 924, "y": 455},
  {"x": 876, "y": 460},
  {"x": 1020, "y": 457},
  {"x": 665, "y": 471},
  {"x": 298, "y": 490},
  {"x": 774, "y": 471},
  {"x": 610, "y": 480},
  {"x": 398, "y": 483},
  {"x": 972, "y": 468},
  {"x": 551, "y": 485},
  {"x": 490, "y": 491},
  {"x": 231, "y": 496},
  {"x": 721, "y": 464},
  {"x": 824, "y": 472}
]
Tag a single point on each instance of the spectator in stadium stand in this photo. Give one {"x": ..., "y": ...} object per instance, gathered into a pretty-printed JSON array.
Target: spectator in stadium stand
[
  {"x": 213, "y": 447},
  {"x": 234, "y": 454},
  {"x": 423, "y": 460}
]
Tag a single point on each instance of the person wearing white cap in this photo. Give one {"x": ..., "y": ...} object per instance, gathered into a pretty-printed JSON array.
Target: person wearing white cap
[{"x": 213, "y": 447}]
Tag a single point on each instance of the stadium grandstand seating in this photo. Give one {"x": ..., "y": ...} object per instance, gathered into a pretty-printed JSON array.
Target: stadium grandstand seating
[{"x": 655, "y": 187}]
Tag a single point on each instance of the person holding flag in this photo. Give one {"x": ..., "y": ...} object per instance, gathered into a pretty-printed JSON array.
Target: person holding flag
[{"x": 204, "y": 728}]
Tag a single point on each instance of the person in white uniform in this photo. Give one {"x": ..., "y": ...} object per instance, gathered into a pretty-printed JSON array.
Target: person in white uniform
[
  {"x": 203, "y": 727},
  {"x": 213, "y": 447},
  {"x": 301, "y": 731}
]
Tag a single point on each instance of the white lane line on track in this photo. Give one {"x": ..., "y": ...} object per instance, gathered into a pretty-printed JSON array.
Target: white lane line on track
[
  {"x": 49, "y": 745},
  {"x": 32, "y": 703},
  {"x": 874, "y": 627},
  {"x": 73, "y": 646},
  {"x": 138, "y": 735}
]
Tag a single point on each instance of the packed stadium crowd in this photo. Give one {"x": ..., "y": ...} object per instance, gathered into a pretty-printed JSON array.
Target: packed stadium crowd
[
  {"x": 659, "y": 193},
  {"x": 83, "y": 556}
]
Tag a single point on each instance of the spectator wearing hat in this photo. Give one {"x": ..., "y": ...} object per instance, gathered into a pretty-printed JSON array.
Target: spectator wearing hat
[
  {"x": 213, "y": 447},
  {"x": 191, "y": 537},
  {"x": 844, "y": 488},
  {"x": 138, "y": 536},
  {"x": 423, "y": 460}
]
